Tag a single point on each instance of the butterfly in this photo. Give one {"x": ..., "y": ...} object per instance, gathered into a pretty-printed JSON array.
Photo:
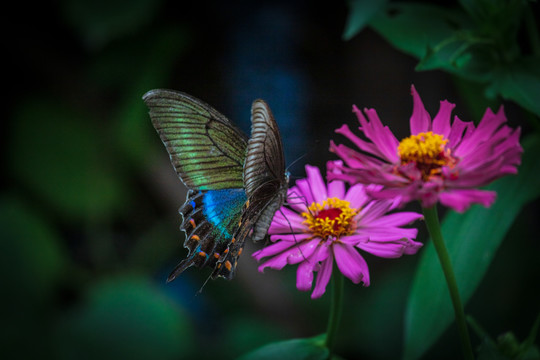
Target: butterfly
[{"x": 235, "y": 184}]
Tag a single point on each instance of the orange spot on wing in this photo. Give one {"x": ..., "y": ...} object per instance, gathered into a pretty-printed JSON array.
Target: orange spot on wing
[
  {"x": 192, "y": 222},
  {"x": 228, "y": 265},
  {"x": 195, "y": 237},
  {"x": 240, "y": 251},
  {"x": 216, "y": 255},
  {"x": 226, "y": 251},
  {"x": 233, "y": 240},
  {"x": 202, "y": 253}
]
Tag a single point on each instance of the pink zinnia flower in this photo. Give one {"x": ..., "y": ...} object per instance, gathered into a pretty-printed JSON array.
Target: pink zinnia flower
[
  {"x": 438, "y": 162},
  {"x": 327, "y": 223}
]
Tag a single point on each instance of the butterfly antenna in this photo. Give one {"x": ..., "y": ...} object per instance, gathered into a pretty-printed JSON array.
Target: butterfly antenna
[{"x": 295, "y": 161}]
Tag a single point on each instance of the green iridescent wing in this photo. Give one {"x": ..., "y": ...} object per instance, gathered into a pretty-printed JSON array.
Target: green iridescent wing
[{"x": 206, "y": 150}]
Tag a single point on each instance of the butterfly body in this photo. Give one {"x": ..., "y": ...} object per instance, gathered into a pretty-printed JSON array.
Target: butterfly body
[{"x": 235, "y": 184}]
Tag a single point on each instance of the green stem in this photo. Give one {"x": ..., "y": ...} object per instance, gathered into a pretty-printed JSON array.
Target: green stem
[
  {"x": 432, "y": 222},
  {"x": 336, "y": 307}
]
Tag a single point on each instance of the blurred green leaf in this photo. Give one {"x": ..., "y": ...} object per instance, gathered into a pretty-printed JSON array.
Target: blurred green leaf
[
  {"x": 59, "y": 154},
  {"x": 125, "y": 317},
  {"x": 32, "y": 264},
  {"x": 240, "y": 341},
  {"x": 474, "y": 95},
  {"x": 296, "y": 349},
  {"x": 507, "y": 346},
  {"x": 520, "y": 82},
  {"x": 153, "y": 248},
  {"x": 472, "y": 239},
  {"x": 480, "y": 44},
  {"x": 360, "y": 12},
  {"x": 426, "y": 26},
  {"x": 30, "y": 250},
  {"x": 100, "y": 22}
]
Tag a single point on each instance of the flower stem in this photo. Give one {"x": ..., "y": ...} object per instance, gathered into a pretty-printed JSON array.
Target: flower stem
[
  {"x": 336, "y": 306},
  {"x": 432, "y": 222}
]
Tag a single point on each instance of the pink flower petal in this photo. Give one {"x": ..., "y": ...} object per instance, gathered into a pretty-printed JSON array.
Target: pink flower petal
[
  {"x": 441, "y": 122},
  {"x": 460, "y": 130},
  {"x": 323, "y": 277},
  {"x": 385, "y": 234},
  {"x": 460, "y": 200},
  {"x": 296, "y": 199},
  {"x": 412, "y": 247},
  {"x": 381, "y": 136},
  {"x": 285, "y": 253},
  {"x": 393, "y": 249},
  {"x": 356, "y": 196},
  {"x": 316, "y": 183},
  {"x": 271, "y": 250},
  {"x": 304, "y": 275},
  {"x": 351, "y": 263},
  {"x": 385, "y": 250},
  {"x": 303, "y": 252},
  {"x": 420, "y": 119},
  {"x": 286, "y": 221},
  {"x": 396, "y": 219},
  {"x": 336, "y": 188},
  {"x": 363, "y": 145},
  {"x": 293, "y": 237},
  {"x": 305, "y": 195}
]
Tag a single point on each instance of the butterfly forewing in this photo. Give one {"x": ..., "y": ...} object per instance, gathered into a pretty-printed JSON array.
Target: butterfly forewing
[{"x": 206, "y": 150}]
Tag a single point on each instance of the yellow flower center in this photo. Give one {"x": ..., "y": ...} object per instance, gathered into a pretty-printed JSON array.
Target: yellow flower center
[
  {"x": 332, "y": 218},
  {"x": 428, "y": 151}
]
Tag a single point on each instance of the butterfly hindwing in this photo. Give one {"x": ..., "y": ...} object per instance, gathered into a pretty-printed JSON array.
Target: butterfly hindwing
[{"x": 209, "y": 219}]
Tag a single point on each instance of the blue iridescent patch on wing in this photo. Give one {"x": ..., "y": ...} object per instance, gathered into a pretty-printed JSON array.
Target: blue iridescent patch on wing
[{"x": 222, "y": 208}]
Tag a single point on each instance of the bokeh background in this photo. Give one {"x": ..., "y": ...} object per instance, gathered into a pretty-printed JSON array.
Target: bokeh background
[{"x": 88, "y": 207}]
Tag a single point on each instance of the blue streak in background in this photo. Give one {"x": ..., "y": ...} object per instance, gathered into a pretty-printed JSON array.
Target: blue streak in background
[{"x": 263, "y": 62}]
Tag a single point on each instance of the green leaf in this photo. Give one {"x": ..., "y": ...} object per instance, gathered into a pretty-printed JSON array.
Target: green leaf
[
  {"x": 33, "y": 263},
  {"x": 59, "y": 154},
  {"x": 296, "y": 349},
  {"x": 30, "y": 250},
  {"x": 507, "y": 345},
  {"x": 414, "y": 28},
  {"x": 360, "y": 13},
  {"x": 472, "y": 239},
  {"x": 520, "y": 82},
  {"x": 125, "y": 317},
  {"x": 100, "y": 22},
  {"x": 473, "y": 94}
]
